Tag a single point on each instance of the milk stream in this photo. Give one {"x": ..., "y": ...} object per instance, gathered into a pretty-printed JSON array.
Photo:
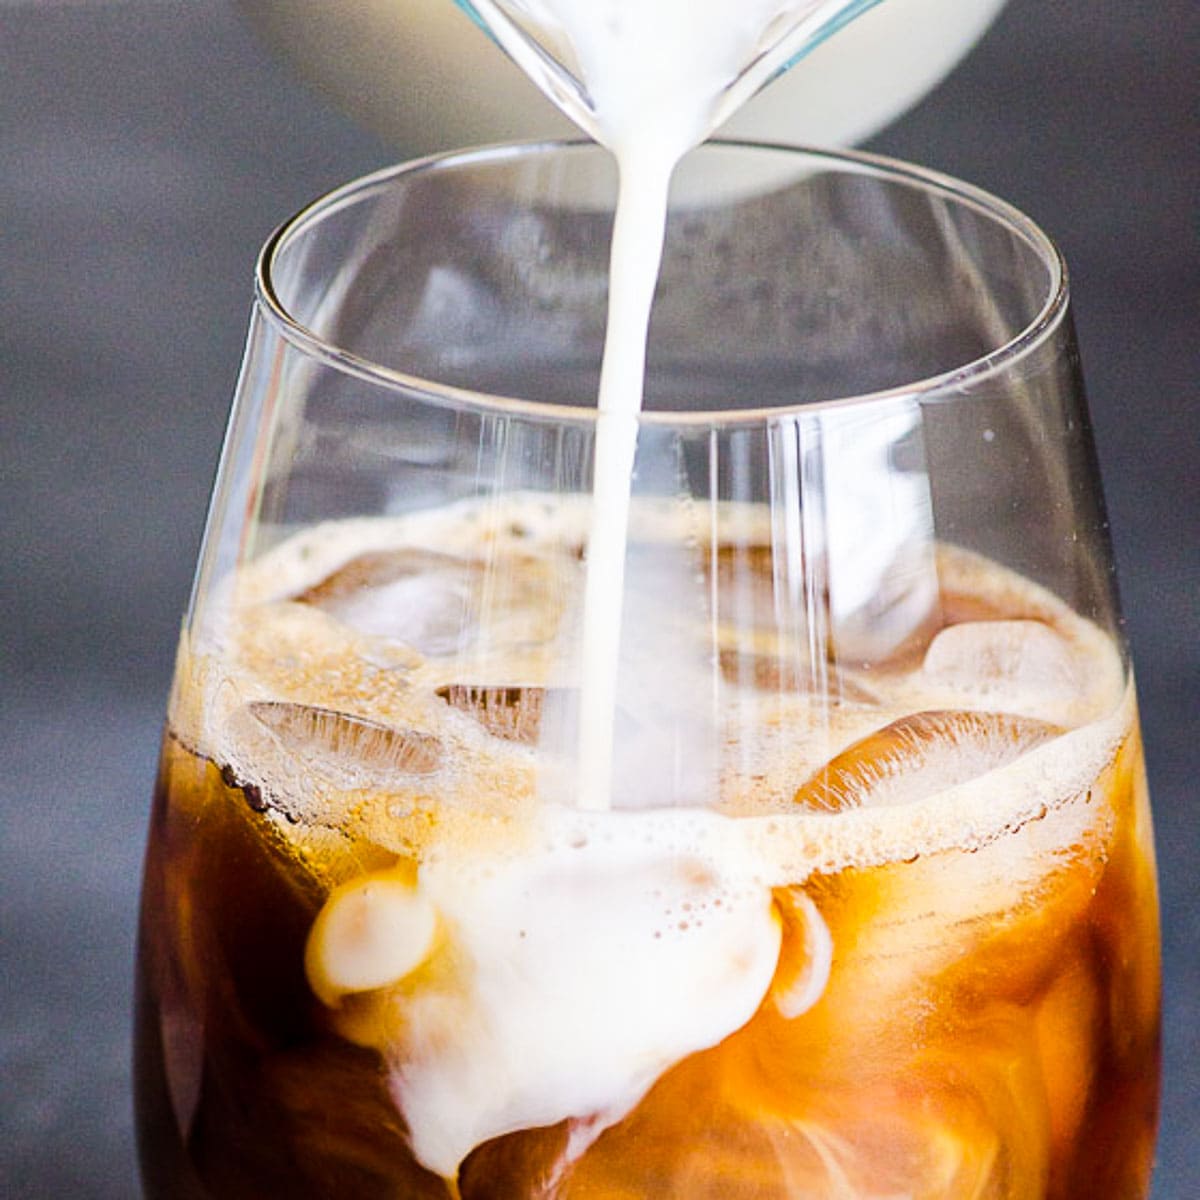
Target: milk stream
[{"x": 648, "y": 80}]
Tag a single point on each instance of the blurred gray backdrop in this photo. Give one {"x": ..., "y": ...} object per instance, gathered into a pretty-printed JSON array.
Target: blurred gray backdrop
[{"x": 146, "y": 150}]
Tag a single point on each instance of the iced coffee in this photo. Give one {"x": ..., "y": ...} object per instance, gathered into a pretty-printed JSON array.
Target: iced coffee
[{"x": 900, "y": 939}]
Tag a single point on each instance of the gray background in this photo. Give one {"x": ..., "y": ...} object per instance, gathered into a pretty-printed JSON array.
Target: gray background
[{"x": 146, "y": 149}]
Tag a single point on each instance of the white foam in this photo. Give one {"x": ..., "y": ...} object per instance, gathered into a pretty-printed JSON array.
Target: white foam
[{"x": 580, "y": 974}]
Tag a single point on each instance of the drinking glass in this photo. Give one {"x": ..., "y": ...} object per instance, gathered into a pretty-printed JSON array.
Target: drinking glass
[{"x": 869, "y": 908}]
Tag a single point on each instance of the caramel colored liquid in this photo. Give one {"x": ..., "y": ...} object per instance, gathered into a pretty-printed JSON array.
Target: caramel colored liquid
[
  {"x": 988, "y": 1028},
  {"x": 1028, "y": 1067}
]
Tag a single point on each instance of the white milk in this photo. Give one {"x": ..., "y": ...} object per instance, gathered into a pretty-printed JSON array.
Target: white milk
[{"x": 649, "y": 79}]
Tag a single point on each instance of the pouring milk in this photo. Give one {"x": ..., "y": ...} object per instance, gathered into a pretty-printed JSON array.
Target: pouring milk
[{"x": 649, "y": 81}]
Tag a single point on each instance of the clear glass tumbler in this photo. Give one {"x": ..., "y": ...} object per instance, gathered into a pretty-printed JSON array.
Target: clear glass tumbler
[{"x": 869, "y": 909}]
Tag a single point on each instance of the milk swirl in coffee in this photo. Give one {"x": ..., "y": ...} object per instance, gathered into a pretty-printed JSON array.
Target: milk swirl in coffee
[{"x": 521, "y": 966}]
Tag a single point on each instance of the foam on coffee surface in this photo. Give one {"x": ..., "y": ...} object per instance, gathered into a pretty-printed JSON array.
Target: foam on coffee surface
[{"x": 474, "y": 964}]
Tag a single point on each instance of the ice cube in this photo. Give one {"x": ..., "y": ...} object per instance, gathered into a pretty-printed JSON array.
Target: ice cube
[
  {"x": 778, "y": 636},
  {"x": 784, "y": 673},
  {"x": 960, "y": 605},
  {"x": 511, "y": 713},
  {"x": 764, "y": 672},
  {"x": 442, "y": 605},
  {"x": 918, "y": 756},
  {"x": 1015, "y": 665},
  {"x": 310, "y": 763},
  {"x": 351, "y": 745},
  {"x": 421, "y": 597},
  {"x": 745, "y": 586}
]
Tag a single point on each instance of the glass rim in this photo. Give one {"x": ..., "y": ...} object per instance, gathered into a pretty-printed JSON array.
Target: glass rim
[{"x": 954, "y": 379}]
